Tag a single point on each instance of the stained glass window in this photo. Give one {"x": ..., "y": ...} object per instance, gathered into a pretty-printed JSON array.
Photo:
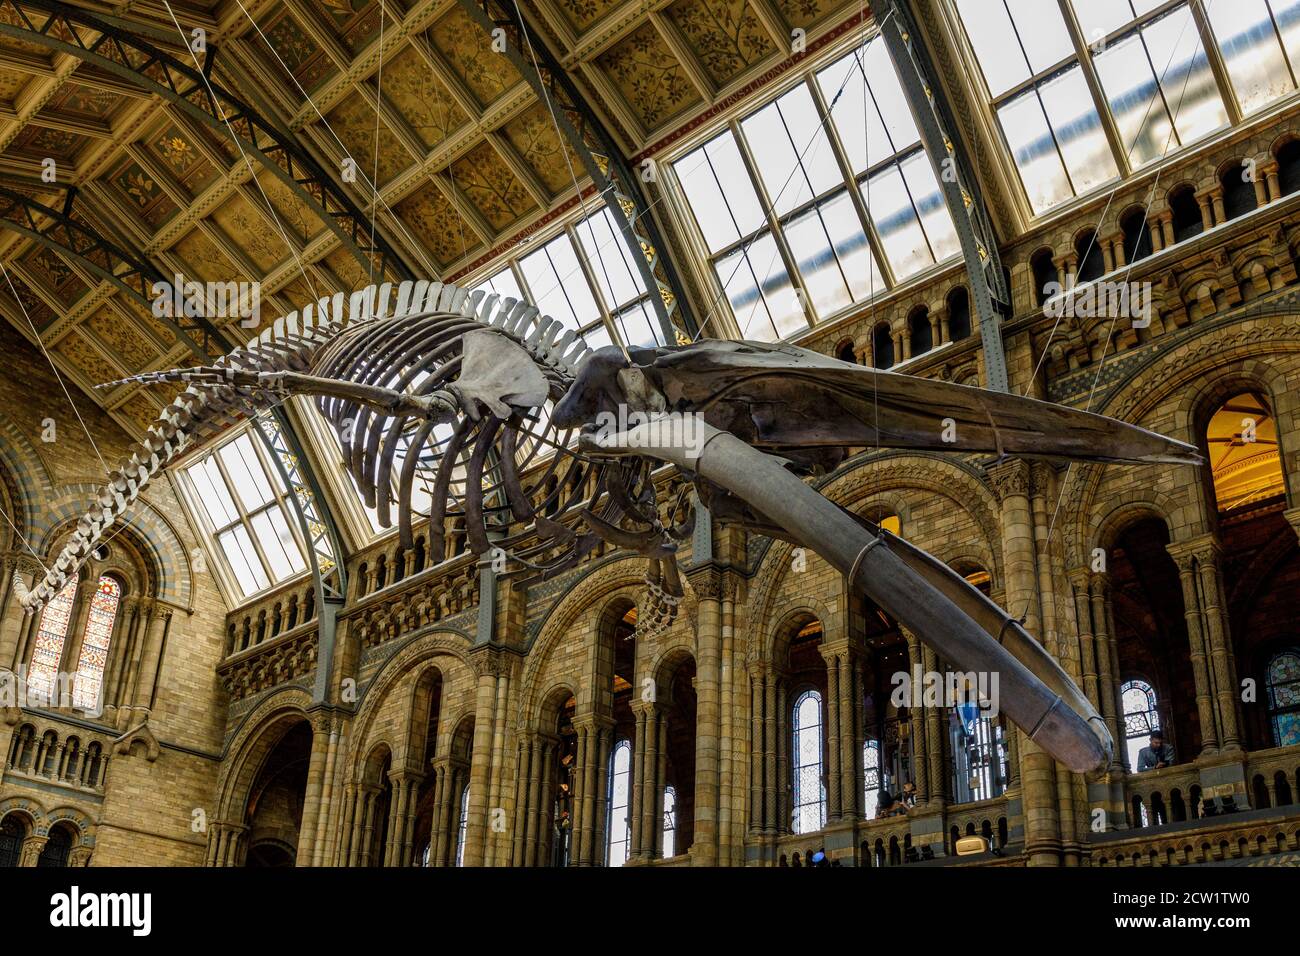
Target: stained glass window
[
  {"x": 670, "y": 822},
  {"x": 1284, "y": 697},
  {"x": 620, "y": 787},
  {"x": 809, "y": 811},
  {"x": 1141, "y": 717},
  {"x": 871, "y": 777},
  {"x": 94, "y": 643},
  {"x": 462, "y": 826},
  {"x": 42, "y": 676}
]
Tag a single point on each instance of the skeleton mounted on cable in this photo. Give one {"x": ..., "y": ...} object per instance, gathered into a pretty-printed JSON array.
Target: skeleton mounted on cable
[{"x": 544, "y": 449}]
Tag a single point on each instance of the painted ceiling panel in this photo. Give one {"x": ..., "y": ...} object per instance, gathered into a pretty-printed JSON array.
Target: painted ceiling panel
[{"x": 651, "y": 80}]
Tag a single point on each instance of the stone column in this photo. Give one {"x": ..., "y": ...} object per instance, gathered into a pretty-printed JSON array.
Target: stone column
[
  {"x": 756, "y": 751},
  {"x": 439, "y": 836},
  {"x": 1087, "y": 640},
  {"x": 1209, "y": 556},
  {"x": 1187, "y": 577},
  {"x": 311, "y": 801},
  {"x": 639, "y": 791},
  {"x": 772, "y": 823},
  {"x": 707, "y": 583},
  {"x": 159, "y": 620},
  {"x": 917, "y": 748},
  {"x": 832, "y": 733},
  {"x": 1099, "y": 596},
  {"x": 1011, "y": 481},
  {"x": 493, "y": 672}
]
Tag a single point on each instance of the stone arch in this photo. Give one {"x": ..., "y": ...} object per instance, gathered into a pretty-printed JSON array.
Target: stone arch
[
  {"x": 257, "y": 737},
  {"x": 665, "y": 663},
  {"x": 38, "y": 822},
  {"x": 26, "y": 477},
  {"x": 864, "y": 479},
  {"x": 777, "y": 636},
  {"x": 550, "y": 704},
  {"x": 84, "y": 826},
  {"x": 425, "y": 648},
  {"x": 155, "y": 535},
  {"x": 595, "y": 589},
  {"x": 1109, "y": 519},
  {"x": 1186, "y": 371}
]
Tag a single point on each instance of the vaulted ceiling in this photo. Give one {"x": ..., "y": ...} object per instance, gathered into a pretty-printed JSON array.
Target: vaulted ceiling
[{"x": 466, "y": 158}]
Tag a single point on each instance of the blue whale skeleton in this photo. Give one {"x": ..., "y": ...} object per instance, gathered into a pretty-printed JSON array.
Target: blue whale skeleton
[{"x": 543, "y": 449}]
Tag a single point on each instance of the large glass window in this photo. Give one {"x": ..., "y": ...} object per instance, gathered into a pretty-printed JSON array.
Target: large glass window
[
  {"x": 586, "y": 277},
  {"x": 1152, "y": 64},
  {"x": 979, "y": 750},
  {"x": 620, "y": 791},
  {"x": 462, "y": 825},
  {"x": 1141, "y": 717},
  {"x": 670, "y": 822},
  {"x": 809, "y": 810},
  {"x": 872, "y": 778},
  {"x": 243, "y": 505},
  {"x": 818, "y": 199}
]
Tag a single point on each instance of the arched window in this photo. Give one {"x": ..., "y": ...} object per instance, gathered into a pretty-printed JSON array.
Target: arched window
[
  {"x": 1288, "y": 162},
  {"x": 57, "y": 847},
  {"x": 1186, "y": 211},
  {"x": 871, "y": 777},
  {"x": 979, "y": 755},
  {"x": 1137, "y": 235},
  {"x": 94, "y": 643},
  {"x": 670, "y": 821},
  {"x": 42, "y": 676},
  {"x": 1047, "y": 277},
  {"x": 882, "y": 347},
  {"x": 958, "y": 314},
  {"x": 809, "y": 788},
  {"x": 620, "y": 787},
  {"x": 12, "y": 834},
  {"x": 1141, "y": 717},
  {"x": 462, "y": 825},
  {"x": 920, "y": 334},
  {"x": 1242, "y": 442},
  {"x": 1092, "y": 261},
  {"x": 1238, "y": 191},
  {"x": 1283, "y": 683}
]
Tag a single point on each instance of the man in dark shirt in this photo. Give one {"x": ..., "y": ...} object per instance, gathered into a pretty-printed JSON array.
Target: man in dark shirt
[{"x": 1155, "y": 756}]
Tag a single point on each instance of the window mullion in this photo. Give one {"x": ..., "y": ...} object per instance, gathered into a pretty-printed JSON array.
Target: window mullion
[
  {"x": 796, "y": 280},
  {"x": 282, "y": 498},
  {"x": 874, "y": 243},
  {"x": 589, "y": 276},
  {"x": 1227, "y": 91},
  {"x": 1099, "y": 99}
]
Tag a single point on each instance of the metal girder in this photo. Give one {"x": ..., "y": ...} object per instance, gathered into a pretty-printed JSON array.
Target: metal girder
[
  {"x": 957, "y": 181},
  {"x": 136, "y": 278},
  {"x": 600, "y": 159},
  {"x": 111, "y": 46}
]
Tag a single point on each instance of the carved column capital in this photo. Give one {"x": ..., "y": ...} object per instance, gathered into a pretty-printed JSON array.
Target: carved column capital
[
  {"x": 1009, "y": 478},
  {"x": 1204, "y": 550}
]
